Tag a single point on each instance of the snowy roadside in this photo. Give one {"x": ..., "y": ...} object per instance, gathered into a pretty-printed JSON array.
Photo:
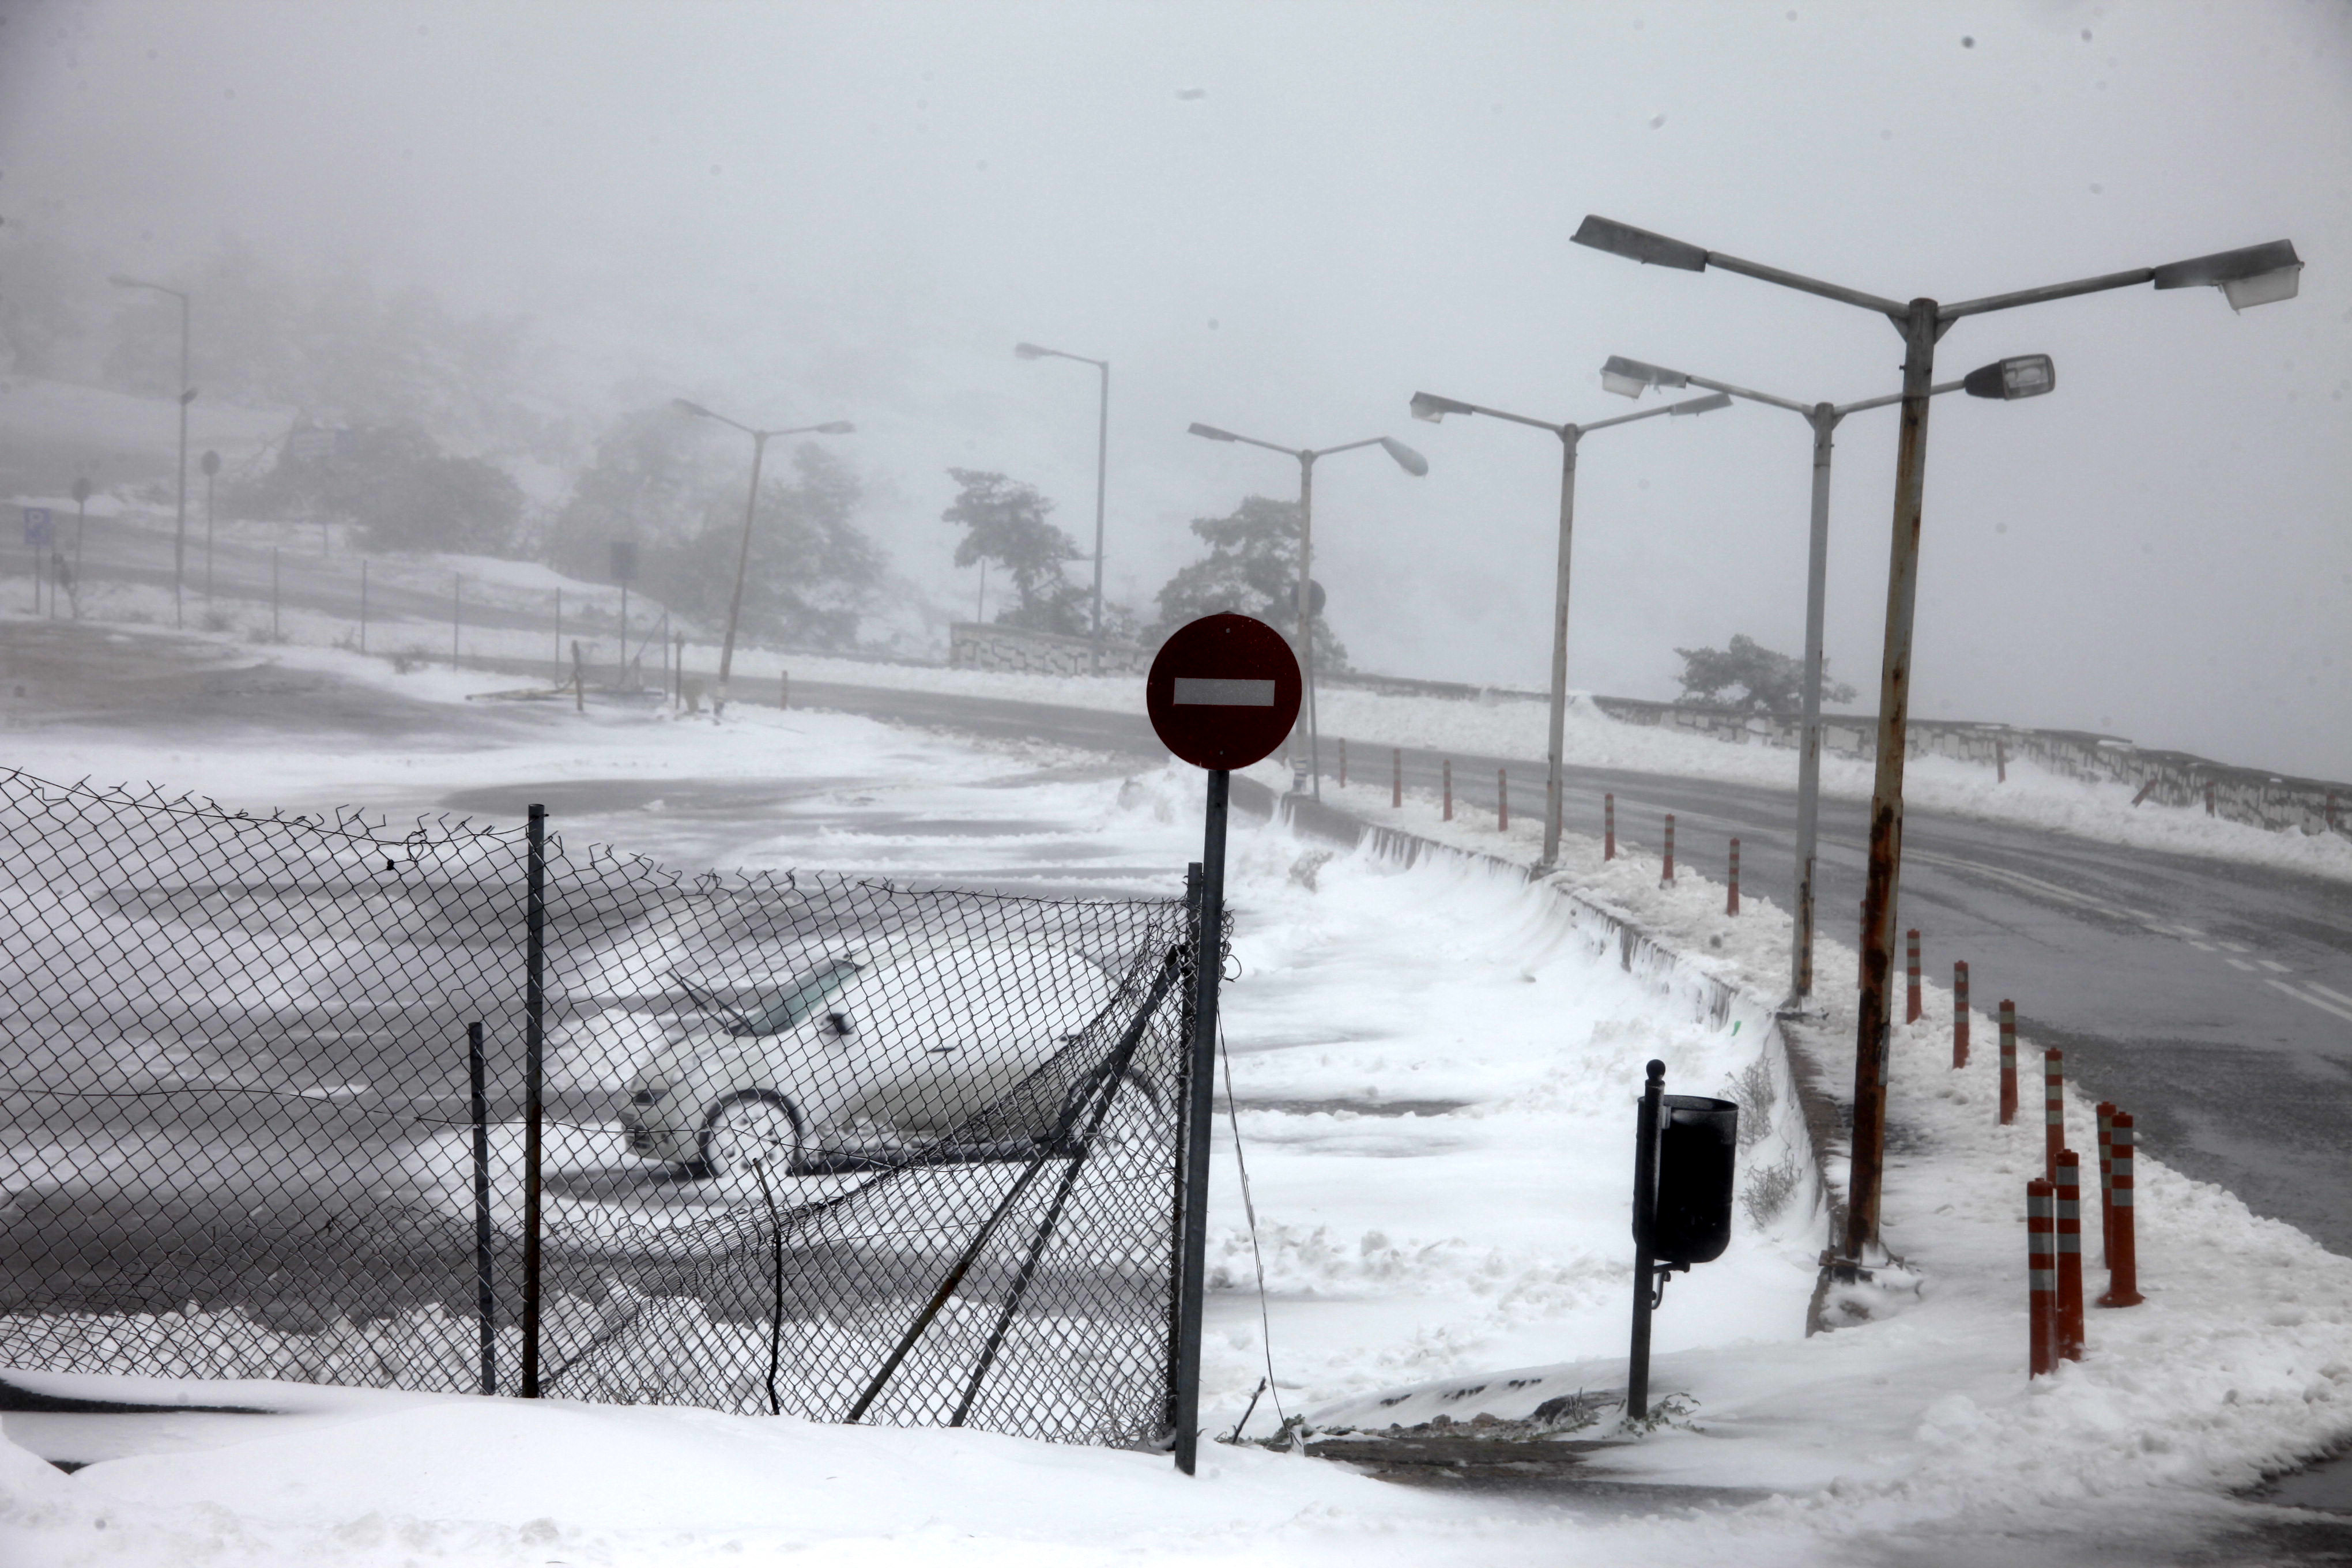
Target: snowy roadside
[{"x": 1917, "y": 1408}]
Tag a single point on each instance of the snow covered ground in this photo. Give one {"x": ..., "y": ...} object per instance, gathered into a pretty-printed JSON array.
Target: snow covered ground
[{"x": 1433, "y": 1077}]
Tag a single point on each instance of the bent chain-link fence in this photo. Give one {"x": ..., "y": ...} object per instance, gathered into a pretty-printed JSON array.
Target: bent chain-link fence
[{"x": 810, "y": 1144}]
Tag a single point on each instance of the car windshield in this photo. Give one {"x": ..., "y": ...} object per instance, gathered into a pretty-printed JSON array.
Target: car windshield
[{"x": 799, "y": 1000}]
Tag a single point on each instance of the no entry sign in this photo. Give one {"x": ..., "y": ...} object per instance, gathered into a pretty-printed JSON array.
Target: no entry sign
[{"x": 1224, "y": 691}]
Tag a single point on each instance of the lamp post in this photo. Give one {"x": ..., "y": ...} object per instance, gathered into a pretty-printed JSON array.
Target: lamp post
[
  {"x": 211, "y": 465},
  {"x": 2257, "y": 275},
  {"x": 1102, "y": 462},
  {"x": 187, "y": 395},
  {"x": 760, "y": 440},
  {"x": 1410, "y": 461},
  {"x": 2025, "y": 376},
  {"x": 1428, "y": 406}
]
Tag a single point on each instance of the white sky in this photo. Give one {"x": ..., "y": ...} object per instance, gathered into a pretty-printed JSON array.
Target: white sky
[{"x": 807, "y": 212}]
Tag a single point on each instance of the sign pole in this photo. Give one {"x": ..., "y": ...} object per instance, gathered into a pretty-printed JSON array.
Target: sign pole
[
  {"x": 1199, "y": 1113},
  {"x": 1646, "y": 1268}
]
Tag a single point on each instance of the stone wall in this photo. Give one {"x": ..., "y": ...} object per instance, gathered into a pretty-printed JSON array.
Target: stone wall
[{"x": 974, "y": 646}]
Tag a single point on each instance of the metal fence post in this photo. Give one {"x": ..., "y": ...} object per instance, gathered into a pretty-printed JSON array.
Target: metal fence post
[
  {"x": 534, "y": 1007},
  {"x": 485, "y": 1297}
]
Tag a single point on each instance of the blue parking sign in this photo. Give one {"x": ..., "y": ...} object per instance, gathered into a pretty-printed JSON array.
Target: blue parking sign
[{"x": 36, "y": 526}]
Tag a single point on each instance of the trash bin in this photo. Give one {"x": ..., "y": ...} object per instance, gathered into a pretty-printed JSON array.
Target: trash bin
[{"x": 1697, "y": 1138}]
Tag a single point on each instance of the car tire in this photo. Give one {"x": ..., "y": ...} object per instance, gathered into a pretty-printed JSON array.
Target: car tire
[{"x": 744, "y": 1125}]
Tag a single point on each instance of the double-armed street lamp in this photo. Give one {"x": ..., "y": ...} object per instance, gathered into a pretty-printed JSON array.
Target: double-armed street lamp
[
  {"x": 2023, "y": 375},
  {"x": 1427, "y": 405},
  {"x": 1102, "y": 459},
  {"x": 2258, "y": 275},
  {"x": 187, "y": 395},
  {"x": 1410, "y": 461},
  {"x": 760, "y": 440}
]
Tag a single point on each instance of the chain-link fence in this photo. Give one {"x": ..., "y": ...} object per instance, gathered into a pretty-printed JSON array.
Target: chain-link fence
[{"x": 807, "y": 1143}]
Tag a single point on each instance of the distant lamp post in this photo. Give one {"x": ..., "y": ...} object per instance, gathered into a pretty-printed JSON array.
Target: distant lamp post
[
  {"x": 211, "y": 465},
  {"x": 2026, "y": 376},
  {"x": 760, "y": 440},
  {"x": 187, "y": 395},
  {"x": 2257, "y": 275},
  {"x": 81, "y": 516},
  {"x": 1102, "y": 462},
  {"x": 1405, "y": 457},
  {"x": 1427, "y": 405}
]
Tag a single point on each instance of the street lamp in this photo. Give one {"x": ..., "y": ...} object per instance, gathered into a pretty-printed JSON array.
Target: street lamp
[
  {"x": 1102, "y": 460},
  {"x": 1433, "y": 408},
  {"x": 760, "y": 440},
  {"x": 187, "y": 395},
  {"x": 1410, "y": 461},
  {"x": 2025, "y": 376},
  {"x": 2257, "y": 275}
]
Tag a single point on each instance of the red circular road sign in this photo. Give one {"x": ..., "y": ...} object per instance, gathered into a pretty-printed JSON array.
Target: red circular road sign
[{"x": 1224, "y": 691}]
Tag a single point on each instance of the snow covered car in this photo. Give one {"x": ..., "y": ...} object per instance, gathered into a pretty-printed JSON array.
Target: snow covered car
[{"x": 858, "y": 1051}]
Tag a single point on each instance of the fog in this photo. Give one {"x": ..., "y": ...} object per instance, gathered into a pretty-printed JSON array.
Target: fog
[{"x": 1286, "y": 219}]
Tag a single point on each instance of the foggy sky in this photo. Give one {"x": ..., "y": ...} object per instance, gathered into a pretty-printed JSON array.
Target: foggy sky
[{"x": 1286, "y": 219}]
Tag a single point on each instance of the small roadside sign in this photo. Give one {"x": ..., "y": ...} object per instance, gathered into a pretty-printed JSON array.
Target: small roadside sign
[
  {"x": 1224, "y": 691},
  {"x": 37, "y": 523}
]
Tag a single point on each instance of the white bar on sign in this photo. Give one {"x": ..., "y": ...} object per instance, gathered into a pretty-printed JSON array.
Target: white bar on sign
[{"x": 1204, "y": 692}]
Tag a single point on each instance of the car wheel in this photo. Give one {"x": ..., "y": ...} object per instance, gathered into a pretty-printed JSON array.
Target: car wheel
[{"x": 749, "y": 1126}]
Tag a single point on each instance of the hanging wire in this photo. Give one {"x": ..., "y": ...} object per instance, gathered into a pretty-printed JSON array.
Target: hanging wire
[{"x": 1249, "y": 1209}]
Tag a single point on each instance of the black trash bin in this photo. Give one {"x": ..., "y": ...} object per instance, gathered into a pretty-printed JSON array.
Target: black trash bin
[{"x": 1697, "y": 1140}]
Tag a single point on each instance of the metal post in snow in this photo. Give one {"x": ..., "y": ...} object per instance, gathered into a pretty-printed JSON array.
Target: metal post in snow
[
  {"x": 1449, "y": 788},
  {"x": 2069, "y": 1255},
  {"x": 534, "y": 1012},
  {"x": 1960, "y": 1015},
  {"x": 1666, "y": 877},
  {"x": 1396, "y": 777},
  {"x": 1731, "y": 899},
  {"x": 2008, "y": 1062},
  {"x": 2041, "y": 1274},
  {"x": 1208, "y": 967},
  {"x": 1305, "y": 613},
  {"x": 486, "y": 1296},
  {"x": 1824, "y": 419},
  {"x": 2209, "y": 798},
  {"x": 1609, "y": 826},
  {"x": 1999, "y": 760},
  {"x": 1911, "y": 1008},
  {"x": 1646, "y": 1203},
  {"x": 2053, "y": 1110},
  {"x": 2123, "y": 1263}
]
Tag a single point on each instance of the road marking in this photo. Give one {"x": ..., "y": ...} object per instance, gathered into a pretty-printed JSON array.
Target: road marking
[
  {"x": 2343, "y": 1013},
  {"x": 2272, "y": 965},
  {"x": 2330, "y": 992},
  {"x": 2201, "y": 946},
  {"x": 2239, "y": 964},
  {"x": 2233, "y": 946}
]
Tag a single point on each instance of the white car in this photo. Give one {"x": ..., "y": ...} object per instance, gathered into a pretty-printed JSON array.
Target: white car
[{"x": 858, "y": 1051}]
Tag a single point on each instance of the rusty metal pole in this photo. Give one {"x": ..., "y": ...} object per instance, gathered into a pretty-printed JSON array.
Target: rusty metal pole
[
  {"x": 1919, "y": 335},
  {"x": 1824, "y": 419},
  {"x": 1557, "y": 739}
]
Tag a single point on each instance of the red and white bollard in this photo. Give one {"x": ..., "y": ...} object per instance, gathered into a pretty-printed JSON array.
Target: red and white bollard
[
  {"x": 1731, "y": 899},
  {"x": 2069, "y": 1255},
  {"x": 2145, "y": 790},
  {"x": 2208, "y": 800},
  {"x": 2123, "y": 1259},
  {"x": 2053, "y": 1110},
  {"x": 1502, "y": 800},
  {"x": 1609, "y": 827},
  {"x": 1449, "y": 789},
  {"x": 1911, "y": 986},
  {"x": 1999, "y": 760},
  {"x": 2107, "y": 1183},
  {"x": 1668, "y": 876},
  {"x": 1961, "y": 1014},
  {"x": 2008, "y": 1062},
  {"x": 1396, "y": 776},
  {"x": 2041, "y": 1274}
]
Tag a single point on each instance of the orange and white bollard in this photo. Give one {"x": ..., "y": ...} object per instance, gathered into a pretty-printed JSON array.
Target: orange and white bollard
[
  {"x": 2123, "y": 1258},
  {"x": 2008, "y": 1062},
  {"x": 1668, "y": 876},
  {"x": 2053, "y": 1110},
  {"x": 1999, "y": 760},
  {"x": 2208, "y": 800},
  {"x": 2069, "y": 1255},
  {"x": 1961, "y": 1014},
  {"x": 1502, "y": 800},
  {"x": 2042, "y": 1276},
  {"x": 1609, "y": 827},
  {"x": 1731, "y": 899},
  {"x": 1911, "y": 983},
  {"x": 1449, "y": 789},
  {"x": 2107, "y": 1182},
  {"x": 1396, "y": 776}
]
